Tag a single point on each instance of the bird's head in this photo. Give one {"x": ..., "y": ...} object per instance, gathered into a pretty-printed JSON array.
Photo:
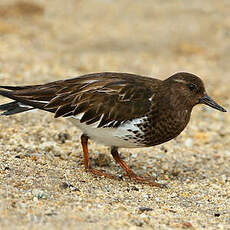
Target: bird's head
[{"x": 188, "y": 89}]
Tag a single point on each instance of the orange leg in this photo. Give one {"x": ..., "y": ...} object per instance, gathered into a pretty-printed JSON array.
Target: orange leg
[
  {"x": 88, "y": 167},
  {"x": 115, "y": 154},
  {"x": 130, "y": 173},
  {"x": 84, "y": 143}
]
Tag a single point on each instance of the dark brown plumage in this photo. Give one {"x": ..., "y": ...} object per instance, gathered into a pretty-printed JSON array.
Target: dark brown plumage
[{"x": 116, "y": 109}]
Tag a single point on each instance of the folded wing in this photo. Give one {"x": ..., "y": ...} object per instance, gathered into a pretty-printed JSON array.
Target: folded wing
[{"x": 106, "y": 98}]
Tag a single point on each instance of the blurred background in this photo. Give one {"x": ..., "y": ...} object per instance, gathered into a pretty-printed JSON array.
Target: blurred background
[
  {"x": 42, "y": 180},
  {"x": 48, "y": 40}
]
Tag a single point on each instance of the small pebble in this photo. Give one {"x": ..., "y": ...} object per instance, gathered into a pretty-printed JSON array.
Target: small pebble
[
  {"x": 143, "y": 209},
  {"x": 189, "y": 142}
]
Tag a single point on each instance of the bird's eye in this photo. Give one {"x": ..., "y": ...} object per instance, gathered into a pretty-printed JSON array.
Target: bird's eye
[{"x": 191, "y": 87}]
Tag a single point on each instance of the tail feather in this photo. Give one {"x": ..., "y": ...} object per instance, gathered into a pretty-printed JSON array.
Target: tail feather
[
  {"x": 16, "y": 87},
  {"x": 14, "y": 108},
  {"x": 20, "y": 103},
  {"x": 24, "y": 101}
]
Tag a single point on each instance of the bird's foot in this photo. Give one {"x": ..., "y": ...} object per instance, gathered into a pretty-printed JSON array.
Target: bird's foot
[
  {"x": 144, "y": 180},
  {"x": 139, "y": 179},
  {"x": 97, "y": 172}
]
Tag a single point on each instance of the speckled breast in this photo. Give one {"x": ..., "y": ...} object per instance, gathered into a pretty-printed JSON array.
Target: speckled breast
[{"x": 163, "y": 127}]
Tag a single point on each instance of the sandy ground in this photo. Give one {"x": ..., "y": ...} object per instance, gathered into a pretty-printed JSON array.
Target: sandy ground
[{"x": 42, "y": 181}]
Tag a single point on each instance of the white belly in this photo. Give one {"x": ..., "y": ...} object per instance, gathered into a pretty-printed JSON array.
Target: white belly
[{"x": 111, "y": 136}]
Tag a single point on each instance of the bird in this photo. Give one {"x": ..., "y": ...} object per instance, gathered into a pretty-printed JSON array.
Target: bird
[{"x": 118, "y": 110}]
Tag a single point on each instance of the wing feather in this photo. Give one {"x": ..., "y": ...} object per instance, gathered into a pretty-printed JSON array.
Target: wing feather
[{"x": 110, "y": 98}]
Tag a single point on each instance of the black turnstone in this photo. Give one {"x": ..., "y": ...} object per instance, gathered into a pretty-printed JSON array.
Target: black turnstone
[{"x": 116, "y": 109}]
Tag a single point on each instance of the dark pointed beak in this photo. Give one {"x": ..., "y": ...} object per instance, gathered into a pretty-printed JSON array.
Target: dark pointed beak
[{"x": 210, "y": 102}]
